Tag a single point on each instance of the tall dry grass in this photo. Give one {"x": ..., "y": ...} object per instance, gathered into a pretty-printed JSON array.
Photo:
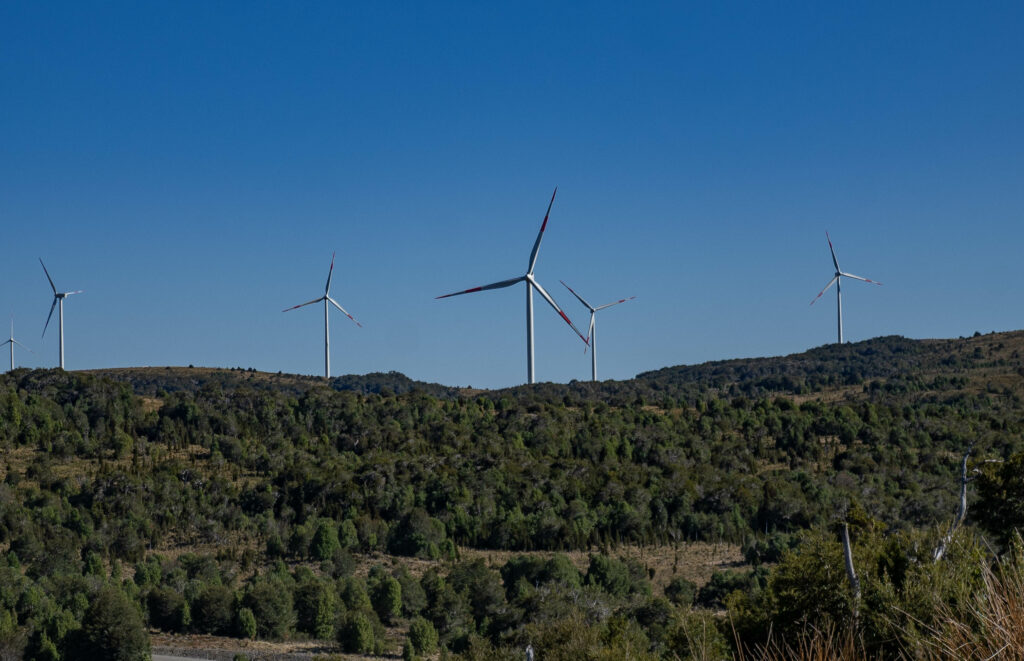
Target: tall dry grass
[
  {"x": 989, "y": 627},
  {"x": 813, "y": 645}
]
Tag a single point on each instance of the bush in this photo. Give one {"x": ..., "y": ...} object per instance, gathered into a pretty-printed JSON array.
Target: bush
[
  {"x": 111, "y": 630},
  {"x": 325, "y": 540},
  {"x": 246, "y": 623},
  {"x": 423, "y": 636},
  {"x": 315, "y": 606},
  {"x": 214, "y": 609},
  {"x": 617, "y": 577},
  {"x": 681, "y": 592},
  {"x": 270, "y": 601},
  {"x": 166, "y": 609},
  {"x": 356, "y": 633},
  {"x": 387, "y": 599}
]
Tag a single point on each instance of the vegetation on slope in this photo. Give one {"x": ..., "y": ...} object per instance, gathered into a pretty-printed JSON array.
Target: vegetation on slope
[{"x": 104, "y": 486}]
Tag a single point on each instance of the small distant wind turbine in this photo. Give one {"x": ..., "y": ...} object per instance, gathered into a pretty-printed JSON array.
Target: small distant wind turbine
[
  {"x": 12, "y": 342},
  {"x": 326, "y": 298},
  {"x": 591, "y": 334},
  {"x": 836, "y": 280},
  {"x": 531, "y": 284},
  {"x": 58, "y": 301}
]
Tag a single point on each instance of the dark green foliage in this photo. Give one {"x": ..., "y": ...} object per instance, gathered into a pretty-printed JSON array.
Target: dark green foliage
[
  {"x": 166, "y": 609},
  {"x": 213, "y": 609},
  {"x": 618, "y": 578},
  {"x": 270, "y": 469},
  {"x": 386, "y": 597},
  {"x": 422, "y": 636},
  {"x": 356, "y": 633},
  {"x": 414, "y": 599},
  {"x": 112, "y": 630},
  {"x": 270, "y": 600},
  {"x": 723, "y": 583},
  {"x": 246, "y": 624},
  {"x": 325, "y": 540},
  {"x": 1000, "y": 507},
  {"x": 681, "y": 591},
  {"x": 316, "y": 607}
]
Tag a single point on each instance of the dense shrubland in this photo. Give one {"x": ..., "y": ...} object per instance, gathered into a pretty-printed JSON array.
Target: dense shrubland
[{"x": 236, "y": 508}]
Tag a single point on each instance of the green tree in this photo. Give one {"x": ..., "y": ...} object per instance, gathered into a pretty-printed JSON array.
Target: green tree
[
  {"x": 112, "y": 630},
  {"x": 387, "y": 599},
  {"x": 423, "y": 636},
  {"x": 270, "y": 600},
  {"x": 356, "y": 633}
]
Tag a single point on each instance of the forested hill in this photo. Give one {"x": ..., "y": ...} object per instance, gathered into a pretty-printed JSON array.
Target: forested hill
[
  {"x": 200, "y": 496},
  {"x": 151, "y": 380},
  {"x": 892, "y": 362}
]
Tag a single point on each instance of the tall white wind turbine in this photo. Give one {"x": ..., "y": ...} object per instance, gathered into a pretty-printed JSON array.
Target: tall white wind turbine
[
  {"x": 591, "y": 334},
  {"x": 328, "y": 301},
  {"x": 836, "y": 280},
  {"x": 12, "y": 342},
  {"x": 58, "y": 302},
  {"x": 531, "y": 284}
]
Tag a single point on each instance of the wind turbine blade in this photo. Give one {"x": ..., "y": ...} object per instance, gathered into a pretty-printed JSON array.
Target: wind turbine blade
[
  {"x": 344, "y": 311},
  {"x": 608, "y": 305},
  {"x": 21, "y": 345},
  {"x": 495, "y": 285},
  {"x": 578, "y": 297},
  {"x": 830, "y": 283},
  {"x": 49, "y": 316},
  {"x": 8, "y": 342},
  {"x": 327, "y": 289},
  {"x": 834, "y": 260},
  {"x": 69, "y": 293},
  {"x": 857, "y": 277},
  {"x": 52, "y": 286},
  {"x": 540, "y": 234},
  {"x": 590, "y": 333},
  {"x": 315, "y": 300},
  {"x": 551, "y": 301}
]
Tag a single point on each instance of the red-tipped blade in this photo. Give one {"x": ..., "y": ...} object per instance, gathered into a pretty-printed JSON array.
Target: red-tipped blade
[
  {"x": 540, "y": 234},
  {"x": 830, "y": 283},
  {"x": 495, "y": 285},
  {"x": 578, "y": 297},
  {"x": 834, "y": 260},
  {"x": 315, "y": 300},
  {"x": 551, "y": 301}
]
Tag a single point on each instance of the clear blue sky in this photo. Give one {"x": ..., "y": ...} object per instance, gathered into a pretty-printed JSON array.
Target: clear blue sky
[{"x": 192, "y": 165}]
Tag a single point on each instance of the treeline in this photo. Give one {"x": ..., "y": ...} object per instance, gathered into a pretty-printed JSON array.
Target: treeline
[
  {"x": 416, "y": 475},
  {"x": 99, "y": 482}
]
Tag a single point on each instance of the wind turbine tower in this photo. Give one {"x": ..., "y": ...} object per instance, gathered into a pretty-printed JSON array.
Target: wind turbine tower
[
  {"x": 837, "y": 280},
  {"x": 592, "y": 333},
  {"x": 531, "y": 284},
  {"x": 58, "y": 301},
  {"x": 12, "y": 342},
  {"x": 328, "y": 301}
]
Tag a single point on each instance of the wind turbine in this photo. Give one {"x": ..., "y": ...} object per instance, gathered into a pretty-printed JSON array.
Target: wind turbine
[
  {"x": 593, "y": 328},
  {"x": 836, "y": 279},
  {"x": 58, "y": 301},
  {"x": 531, "y": 284},
  {"x": 12, "y": 342},
  {"x": 326, "y": 298}
]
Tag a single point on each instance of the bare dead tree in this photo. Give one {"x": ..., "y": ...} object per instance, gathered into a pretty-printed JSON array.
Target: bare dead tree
[
  {"x": 851, "y": 573},
  {"x": 961, "y": 512}
]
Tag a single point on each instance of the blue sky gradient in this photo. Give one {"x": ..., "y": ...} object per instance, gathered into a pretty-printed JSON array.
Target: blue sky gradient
[{"x": 192, "y": 165}]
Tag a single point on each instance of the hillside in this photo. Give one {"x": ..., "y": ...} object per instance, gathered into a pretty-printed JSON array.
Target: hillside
[
  {"x": 899, "y": 363},
  {"x": 224, "y": 490}
]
